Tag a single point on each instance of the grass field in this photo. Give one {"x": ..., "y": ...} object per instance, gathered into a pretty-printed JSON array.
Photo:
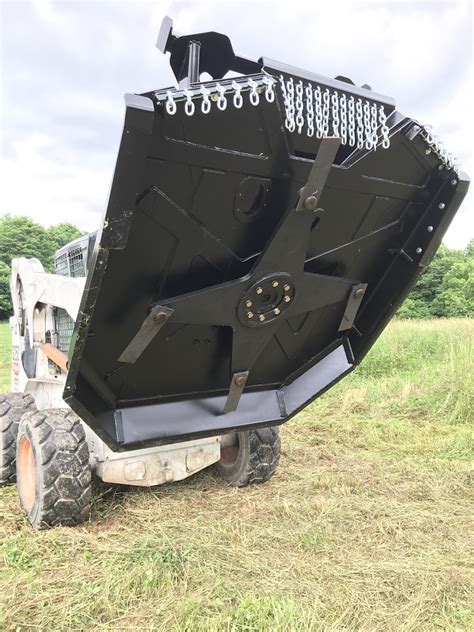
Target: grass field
[
  {"x": 5, "y": 357},
  {"x": 367, "y": 525}
]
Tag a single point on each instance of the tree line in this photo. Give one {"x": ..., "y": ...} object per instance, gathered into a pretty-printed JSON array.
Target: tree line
[
  {"x": 22, "y": 237},
  {"x": 445, "y": 289}
]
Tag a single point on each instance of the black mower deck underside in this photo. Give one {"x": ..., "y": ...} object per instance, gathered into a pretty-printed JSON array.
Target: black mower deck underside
[{"x": 207, "y": 230}]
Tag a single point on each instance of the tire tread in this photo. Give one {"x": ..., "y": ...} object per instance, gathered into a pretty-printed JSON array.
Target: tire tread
[
  {"x": 12, "y": 408},
  {"x": 65, "y": 482},
  {"x": 262, "y": 461}
]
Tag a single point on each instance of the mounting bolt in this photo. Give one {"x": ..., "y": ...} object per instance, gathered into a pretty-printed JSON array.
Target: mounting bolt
[
  {"x": 286, "y": 287},
  {"x": 442, "y": 205},
  {"x": 430, "y": 229},
  {"x": 259, "y": 290},
  {"x": 454, "y": 182},
  {"x": 240, "y": 381},
  {"x": 261, "y": 318},
  {"x": 419, "y": 251},
  {"x": 249, "y": 315},
  {"x": 248, "y": 303},
  {"x": 159, "y": 318},
  {"x": 427, "y": 151},
  {"x": 276, "y": 311},
  {"x": 359, "y": 292},
  {"x": 311, "y": 202},
  {"x": 275, "y": 284},
  {"x": 287, "y": 299}
]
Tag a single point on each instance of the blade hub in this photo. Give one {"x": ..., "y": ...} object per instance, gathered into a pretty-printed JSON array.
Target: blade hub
[{"x": 267, "y": 300}]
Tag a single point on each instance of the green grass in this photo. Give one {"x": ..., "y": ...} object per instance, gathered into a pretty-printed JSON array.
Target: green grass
[
  {"x": 367, "y": 524},
  {"x": 5, "y": 357}
]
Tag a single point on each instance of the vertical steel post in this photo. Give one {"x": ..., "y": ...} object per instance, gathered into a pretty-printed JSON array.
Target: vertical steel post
[{"x": 194, "y": 54}]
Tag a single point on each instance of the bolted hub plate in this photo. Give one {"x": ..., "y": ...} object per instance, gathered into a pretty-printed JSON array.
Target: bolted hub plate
[{"x": 266, "y": 300}]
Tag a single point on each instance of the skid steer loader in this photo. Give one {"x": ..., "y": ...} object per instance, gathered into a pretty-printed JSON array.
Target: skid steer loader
[{"x": 263, "y": 227}]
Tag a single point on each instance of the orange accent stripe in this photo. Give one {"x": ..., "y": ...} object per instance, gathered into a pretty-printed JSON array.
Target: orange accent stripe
[{"x": 56, "y": 355}]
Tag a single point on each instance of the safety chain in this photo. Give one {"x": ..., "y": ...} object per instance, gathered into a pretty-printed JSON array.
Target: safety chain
[
  {"x": 436, "y": 145},
  {"x": 317, "y": 110},
  {"x": 219, "y": 93},
  {"x": 358, "y": 122}
]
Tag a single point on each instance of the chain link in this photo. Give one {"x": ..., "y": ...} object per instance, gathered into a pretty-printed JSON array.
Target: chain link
[
  {"x": 351, "y": 121},
  {"x": 254, "y": 96},
  {"x": 221, "y": 100},
  {"x": 315, "y": 109},
  {"x": 335, "y": 113},
  {"x": 343, "y": 108},
  {"x": 269, "y": 91},
  {"x": 290, "y": 106},
  {"x": 436, "y": 145},
  {"x": 206, "y": 102},
  {"x": 384, "y": 128},
  {"x": 237, "y": 100},
  {"x": 299, "y": 106}
]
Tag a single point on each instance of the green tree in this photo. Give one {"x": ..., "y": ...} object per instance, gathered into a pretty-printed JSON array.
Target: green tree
[
  {"x": 5, "y": 299},
  {"x": 446, "y": 288},
  {"x": 456, "y": 292},
  {"x": 22, "y": 237},
  {"x": 62, "y": 234}
]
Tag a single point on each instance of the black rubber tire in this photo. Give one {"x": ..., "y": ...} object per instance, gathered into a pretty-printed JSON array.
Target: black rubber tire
[
  {"x": 254, "y": 459},
  {"x": 62, "y": 473},
  {"x": 12, "y": 408}
]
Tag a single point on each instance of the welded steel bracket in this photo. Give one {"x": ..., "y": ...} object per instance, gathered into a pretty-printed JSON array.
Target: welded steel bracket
[
  {"x": 236, "y": 389},
  {"x": 319, "y": 174},
  {"x": 151, "y": 326},
  {"x": 352, "y": 307}
]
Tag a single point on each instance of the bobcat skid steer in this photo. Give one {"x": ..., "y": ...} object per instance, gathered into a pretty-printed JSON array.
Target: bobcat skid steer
[{"x": 263, "y": 227}]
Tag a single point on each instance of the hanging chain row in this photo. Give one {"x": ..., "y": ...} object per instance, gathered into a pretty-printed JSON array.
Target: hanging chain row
[
  {"x": 436, "y": 145},
  {"x": 220, "y": 94},
  {"x": 320, "y": 111},
  {"x": 324, "y": 112}
]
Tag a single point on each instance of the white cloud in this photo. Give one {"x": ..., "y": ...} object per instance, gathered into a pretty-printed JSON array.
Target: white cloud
[
  {"x": 50, "y": 187},
  {"x": 66, "y": 65}
]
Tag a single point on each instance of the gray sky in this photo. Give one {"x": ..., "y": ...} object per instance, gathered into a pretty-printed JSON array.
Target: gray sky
[{"x": 65, "y": 67}]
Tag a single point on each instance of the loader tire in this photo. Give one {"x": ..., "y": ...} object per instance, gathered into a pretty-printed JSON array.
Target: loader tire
[
  {"x": 53, "y": 471},
  {"x": 12, "y": 408},
  {"x": 249, "y": 457}
]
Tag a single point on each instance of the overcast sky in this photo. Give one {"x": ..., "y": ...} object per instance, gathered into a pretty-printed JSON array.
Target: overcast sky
[{"x": 65, "y": 67}]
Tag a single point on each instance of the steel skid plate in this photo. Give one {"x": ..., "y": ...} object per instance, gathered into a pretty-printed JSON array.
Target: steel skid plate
[{"x": 242, "y": 270}]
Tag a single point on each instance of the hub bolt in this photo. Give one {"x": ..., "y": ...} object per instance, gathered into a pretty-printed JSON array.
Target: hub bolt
[
  {"x": 261, "y": 318},
  {"x": 275, "y": 284},
  {"x": 259, "y": 290},
  {"x": 249, "y": 315},
  {"x": 276, "y": 311},
  {"x": 286, "y": 287},
  {"x": 248, "y": 303},
  {"x": 287, "y": 299}
]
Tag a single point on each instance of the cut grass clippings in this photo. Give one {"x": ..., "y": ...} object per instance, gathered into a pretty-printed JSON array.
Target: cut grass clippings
[{"x": 367, "y": 524}]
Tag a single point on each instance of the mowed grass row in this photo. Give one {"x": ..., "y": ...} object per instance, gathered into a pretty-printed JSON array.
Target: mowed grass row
[{"x": 367, "y": 524}]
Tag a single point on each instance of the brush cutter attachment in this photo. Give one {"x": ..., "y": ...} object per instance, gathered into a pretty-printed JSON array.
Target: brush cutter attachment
[{"x": 261, "y": 232}]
